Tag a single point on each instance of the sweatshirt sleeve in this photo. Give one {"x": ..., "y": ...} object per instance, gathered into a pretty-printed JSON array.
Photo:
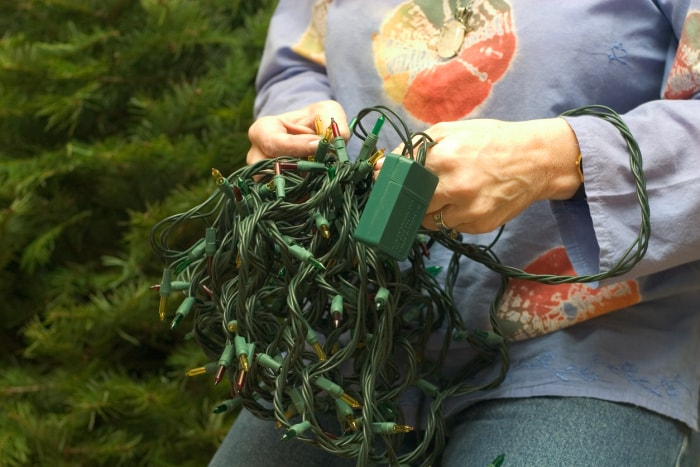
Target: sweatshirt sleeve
[
  {"x": 597, "y": 230},
  {"x": 292, "y": 70}
]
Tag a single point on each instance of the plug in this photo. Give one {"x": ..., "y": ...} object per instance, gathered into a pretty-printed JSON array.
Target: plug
[{"x": 396, "y": 206}]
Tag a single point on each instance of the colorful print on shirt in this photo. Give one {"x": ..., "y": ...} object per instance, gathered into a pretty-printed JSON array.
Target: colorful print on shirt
[
  {"x": 530, "y": 309},
  {"x": 684, "y": 78},
  {"x": 312, "y": 44},
  {"x": 433, "y": 89}
]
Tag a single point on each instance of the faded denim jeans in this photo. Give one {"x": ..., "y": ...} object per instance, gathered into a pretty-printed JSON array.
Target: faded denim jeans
[{"x": 541, "y": 431}]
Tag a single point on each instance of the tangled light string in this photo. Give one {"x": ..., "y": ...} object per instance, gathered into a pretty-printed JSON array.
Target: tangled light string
[{"x": 304, "y": 321}]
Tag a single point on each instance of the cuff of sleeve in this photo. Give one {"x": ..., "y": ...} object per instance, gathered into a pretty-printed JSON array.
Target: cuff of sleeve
[{"x": 576, "y": 229}]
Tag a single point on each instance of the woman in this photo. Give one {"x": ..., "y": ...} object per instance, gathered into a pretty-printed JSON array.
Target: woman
[{"x": 600, "y": 375}]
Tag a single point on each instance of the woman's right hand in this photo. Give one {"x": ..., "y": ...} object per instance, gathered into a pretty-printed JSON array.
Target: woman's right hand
[{"x": 293, "y": 133}]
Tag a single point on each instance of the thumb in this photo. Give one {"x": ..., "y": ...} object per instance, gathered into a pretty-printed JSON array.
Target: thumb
[{"x": 279, "y": 144}]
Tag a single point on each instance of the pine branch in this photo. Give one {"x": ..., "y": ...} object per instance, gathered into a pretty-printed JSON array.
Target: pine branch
[{"x": 112, "y": 113}]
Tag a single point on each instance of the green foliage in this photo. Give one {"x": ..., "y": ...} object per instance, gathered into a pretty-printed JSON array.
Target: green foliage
[{"x": 112, "y": 113}]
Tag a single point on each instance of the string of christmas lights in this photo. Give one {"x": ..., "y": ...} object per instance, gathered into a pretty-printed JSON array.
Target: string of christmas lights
[{"x": 302, "y": 319}]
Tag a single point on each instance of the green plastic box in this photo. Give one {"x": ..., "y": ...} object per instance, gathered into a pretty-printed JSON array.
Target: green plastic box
[{"x": 396, "y": 206}]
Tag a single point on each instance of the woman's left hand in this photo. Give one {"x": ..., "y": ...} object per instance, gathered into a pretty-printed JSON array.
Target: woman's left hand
[{"x": 490, "y": 170}]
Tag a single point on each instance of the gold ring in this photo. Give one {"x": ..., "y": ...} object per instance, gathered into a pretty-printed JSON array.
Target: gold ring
[{"x": 438, "y": 220}]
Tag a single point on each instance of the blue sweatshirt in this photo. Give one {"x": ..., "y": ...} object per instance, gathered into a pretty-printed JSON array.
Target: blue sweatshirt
[{"x": 634, "y": 339}]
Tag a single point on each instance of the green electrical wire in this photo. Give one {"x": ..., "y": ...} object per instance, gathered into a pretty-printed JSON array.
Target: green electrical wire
[{"x": 325, "y": 324}]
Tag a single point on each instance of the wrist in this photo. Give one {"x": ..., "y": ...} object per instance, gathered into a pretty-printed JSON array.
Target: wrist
[{"x": 563, "y": 167}]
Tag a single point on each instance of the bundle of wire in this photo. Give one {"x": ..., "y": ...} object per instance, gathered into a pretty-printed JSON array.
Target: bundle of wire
[{"x": 304, "y": 321}]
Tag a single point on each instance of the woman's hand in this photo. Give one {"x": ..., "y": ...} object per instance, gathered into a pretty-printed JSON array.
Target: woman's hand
[
  {"x": 490, "y": 171},
  {"x": 293, "y": 133}
]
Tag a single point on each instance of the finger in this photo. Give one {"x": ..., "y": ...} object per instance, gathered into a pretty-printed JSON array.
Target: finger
[
  {"x": 255, "y": 155},
  {"x": 294, "y": 128},
  {"x": 436, "y": 202},
  {"x": 438, "y": 219},
  {"x": 295, "y": 145},
  {"x": 429, "y": 220},
  {"x": 288, "y": 145}
]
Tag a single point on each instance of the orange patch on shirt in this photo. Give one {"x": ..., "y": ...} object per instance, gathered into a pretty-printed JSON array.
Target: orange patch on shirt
[
  {"x": 433, "y": 89},
  {"x": 529, "y": 309},
  {"x": 684, "y": 77}
]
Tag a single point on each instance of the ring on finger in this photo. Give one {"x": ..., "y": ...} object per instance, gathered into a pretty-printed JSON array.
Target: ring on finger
[{"x": 440, "y": 221}]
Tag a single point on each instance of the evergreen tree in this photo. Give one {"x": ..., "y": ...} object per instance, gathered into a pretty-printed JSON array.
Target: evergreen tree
[{"x": 112, "y": 113}]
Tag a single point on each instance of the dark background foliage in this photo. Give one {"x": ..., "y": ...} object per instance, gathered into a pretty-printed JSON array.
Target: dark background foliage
[{"x": 112, "y": 113}]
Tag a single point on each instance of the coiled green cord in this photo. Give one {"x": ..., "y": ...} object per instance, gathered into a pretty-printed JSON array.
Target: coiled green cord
[{"x": 302, "y": 319}]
